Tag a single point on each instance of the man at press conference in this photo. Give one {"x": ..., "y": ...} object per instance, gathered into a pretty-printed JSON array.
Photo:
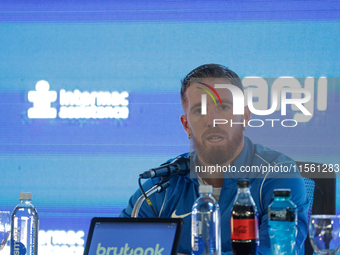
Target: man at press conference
[{"x": 225, "y": 145}]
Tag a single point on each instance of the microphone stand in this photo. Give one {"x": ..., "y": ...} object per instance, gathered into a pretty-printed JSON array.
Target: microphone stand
[{"x": 159, "y": 187}]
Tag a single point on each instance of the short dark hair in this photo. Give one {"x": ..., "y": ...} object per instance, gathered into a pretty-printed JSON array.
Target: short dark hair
[{"x": 209, "y": 71}]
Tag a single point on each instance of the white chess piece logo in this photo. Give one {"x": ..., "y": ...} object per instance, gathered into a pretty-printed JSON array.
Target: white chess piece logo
[{"x": 42, "y": 99}]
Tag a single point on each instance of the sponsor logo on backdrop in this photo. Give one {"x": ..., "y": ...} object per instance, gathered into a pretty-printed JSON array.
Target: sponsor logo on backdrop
[
  {"x": 77, "y": 104},
  {"x": 56, "y": 242},
  {"x": 285, "y": 91}
]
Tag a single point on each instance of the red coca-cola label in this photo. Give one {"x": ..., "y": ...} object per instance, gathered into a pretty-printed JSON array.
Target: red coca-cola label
[{"x": 243, "y": 229}]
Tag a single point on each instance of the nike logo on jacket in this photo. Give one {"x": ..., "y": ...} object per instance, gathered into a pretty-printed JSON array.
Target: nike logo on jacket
[{"x": 174, "y": 215}]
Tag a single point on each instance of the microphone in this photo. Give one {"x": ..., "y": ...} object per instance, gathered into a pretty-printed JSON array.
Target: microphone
[{"x": 180, "y": 166}]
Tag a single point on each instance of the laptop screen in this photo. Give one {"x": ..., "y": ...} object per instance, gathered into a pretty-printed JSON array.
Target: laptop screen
[{"x": 131, "y": 236}]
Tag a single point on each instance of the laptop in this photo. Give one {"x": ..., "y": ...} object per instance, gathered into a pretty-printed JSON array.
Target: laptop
[{"x": 133, "y": 236}]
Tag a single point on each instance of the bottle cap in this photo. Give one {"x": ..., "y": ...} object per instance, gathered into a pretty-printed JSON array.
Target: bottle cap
[
  {"x": 281, "y": 192},
  {"x": 25, "y": 196},
  {"x": 243, "y": 183},
  {"x": 205, "y": 189}
]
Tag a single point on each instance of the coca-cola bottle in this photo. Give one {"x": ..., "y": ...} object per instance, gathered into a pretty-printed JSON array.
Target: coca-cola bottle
[{"x": 244, "y": 222}]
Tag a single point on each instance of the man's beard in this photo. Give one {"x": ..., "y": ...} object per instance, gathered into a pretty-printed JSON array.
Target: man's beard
[{"x": 219, "y": 154}]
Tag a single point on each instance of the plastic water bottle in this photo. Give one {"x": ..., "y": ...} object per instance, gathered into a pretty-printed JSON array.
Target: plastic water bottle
[
  {"x": 24, "y": 227},
  {"x": 282, "y": 220},
  {"x": 206, "y": 224},
  {"x": 244, "y": 222}
]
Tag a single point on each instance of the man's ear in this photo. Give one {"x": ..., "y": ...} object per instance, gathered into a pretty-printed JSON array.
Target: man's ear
[
  {"x": 247, "y": 114},
  {"x": 185, "y": 124}
]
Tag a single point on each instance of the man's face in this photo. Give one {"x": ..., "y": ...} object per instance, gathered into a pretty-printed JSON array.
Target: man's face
[{"x": 219, "y": 144}]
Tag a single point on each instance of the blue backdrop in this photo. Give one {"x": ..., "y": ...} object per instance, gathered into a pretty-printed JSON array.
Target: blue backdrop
[{"x": 78, "y": 168}]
